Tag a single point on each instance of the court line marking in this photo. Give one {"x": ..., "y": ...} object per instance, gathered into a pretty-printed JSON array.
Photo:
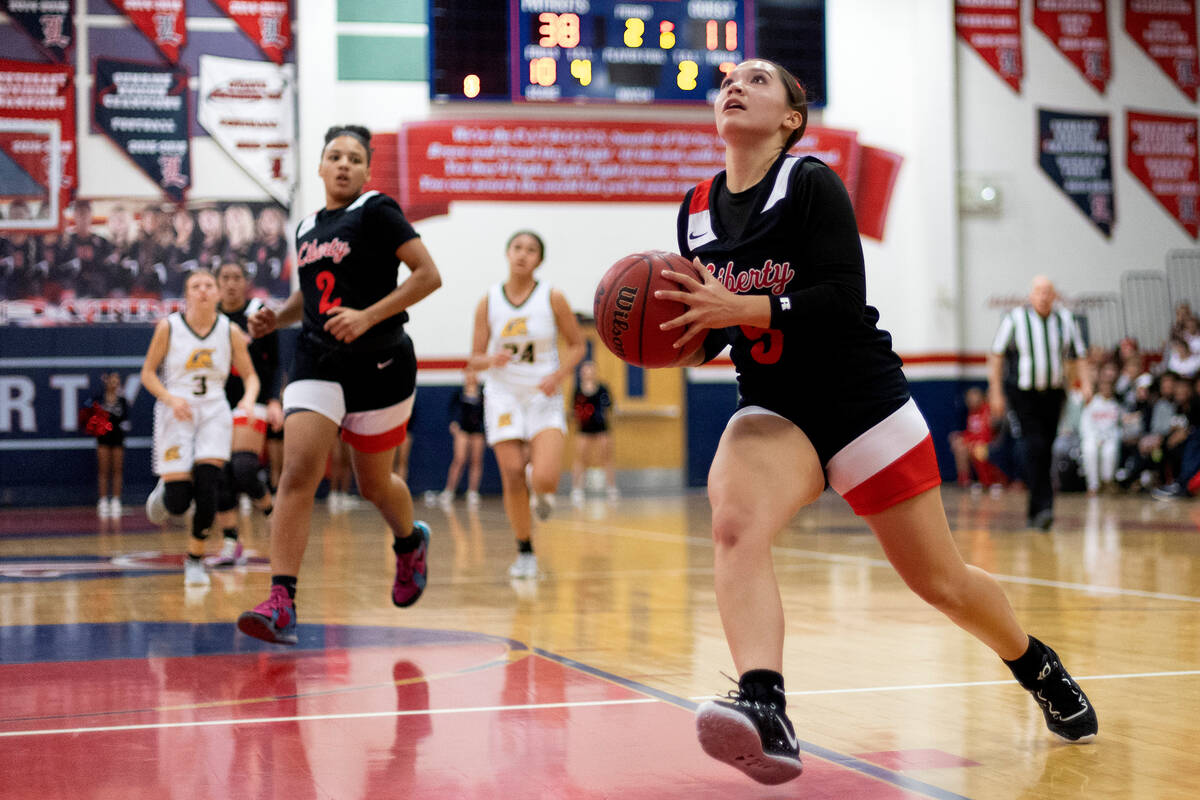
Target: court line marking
[
  {"x": 594, "y": 527},
  {"x": 209, "y": 723},
  {"x": 1182, "y": 673}
]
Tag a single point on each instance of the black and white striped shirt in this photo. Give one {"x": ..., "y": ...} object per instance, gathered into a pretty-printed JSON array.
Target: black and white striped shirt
[{"x": 1038, "y": 347}]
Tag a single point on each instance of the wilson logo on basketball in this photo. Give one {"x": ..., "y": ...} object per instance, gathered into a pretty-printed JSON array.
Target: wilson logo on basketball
[
  {"x": 200, "y": 359},
  {"x": 626, "y": 297},
  {"x": 335, "y": 249}
]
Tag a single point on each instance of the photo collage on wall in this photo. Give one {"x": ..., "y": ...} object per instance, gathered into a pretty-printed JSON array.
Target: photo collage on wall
[{"x": 82, "y": 253}]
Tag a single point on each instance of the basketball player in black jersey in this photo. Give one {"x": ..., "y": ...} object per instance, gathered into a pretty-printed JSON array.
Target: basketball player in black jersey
[
  {"x": 240, "y": 475},
  {"x": 822, "y": 398},
  {"x": 353, "y": 374}
]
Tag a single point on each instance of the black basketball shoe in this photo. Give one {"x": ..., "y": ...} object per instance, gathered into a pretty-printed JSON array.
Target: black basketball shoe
[
  {"x": 754, "y": 736},
  {"x": 1068, "y": 712}
]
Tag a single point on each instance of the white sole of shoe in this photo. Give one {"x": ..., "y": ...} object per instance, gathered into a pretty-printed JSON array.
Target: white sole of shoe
[{"x": 729, "y": 737}]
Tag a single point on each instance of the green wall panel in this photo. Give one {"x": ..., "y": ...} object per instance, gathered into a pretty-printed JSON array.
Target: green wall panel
[
  {"x": 382, "y": 58},
  {"x": 381, "y": 11}
]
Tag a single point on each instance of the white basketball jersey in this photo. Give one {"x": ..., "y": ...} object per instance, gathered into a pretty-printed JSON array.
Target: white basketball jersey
[
  {"x": 527, "y": 333},
  {"x": 196, "y": 366}
]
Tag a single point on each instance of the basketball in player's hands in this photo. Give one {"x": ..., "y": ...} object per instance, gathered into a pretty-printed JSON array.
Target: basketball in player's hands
[{"x": 628, "y": 314}]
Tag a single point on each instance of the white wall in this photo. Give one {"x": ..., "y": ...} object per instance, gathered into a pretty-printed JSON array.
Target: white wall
[{"x": 1040, "y": 230}]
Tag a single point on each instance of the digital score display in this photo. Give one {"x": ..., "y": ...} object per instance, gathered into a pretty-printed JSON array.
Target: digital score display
[
  {"x": 641, "y": 52},
  {"x": 578, "y": 51}
]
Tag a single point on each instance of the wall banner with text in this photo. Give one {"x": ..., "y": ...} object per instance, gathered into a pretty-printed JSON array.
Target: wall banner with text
[
  {"x": 1075, "y": 151},
  {"x": 993, "y": 30},
  {"x": 162, "y": 22},
  {"x": 1161, "y": 153},
  {"x": 49, "y": 23},
  {"x": 268, "y": 23},
  {"x": 1079, "y": 29},
  {"x": 442, "y": 161},
  {"x": 249, "y": 108},
  {"x": 37, "y": 107},
  {"x": 1166, "y": 31},
  {"x": 143, "y": 109}
]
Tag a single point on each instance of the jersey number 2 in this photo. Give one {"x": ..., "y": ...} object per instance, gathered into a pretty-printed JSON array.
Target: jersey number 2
[
  {"x": 325, "y": 282},
  {"x": 766, "y": 343}
]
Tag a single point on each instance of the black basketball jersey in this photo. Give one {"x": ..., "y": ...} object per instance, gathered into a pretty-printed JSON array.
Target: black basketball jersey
[
  {"x": 264, "y": 354},
  {"x": 347, "y": 256},
  {"x": 800, "y": 246}
]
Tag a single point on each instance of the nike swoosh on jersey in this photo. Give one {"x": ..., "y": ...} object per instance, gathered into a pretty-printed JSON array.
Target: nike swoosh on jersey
[{"x": 384, "y": 364}]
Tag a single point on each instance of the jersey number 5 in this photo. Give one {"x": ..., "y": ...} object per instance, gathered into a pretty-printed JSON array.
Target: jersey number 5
[
  {"x": 766, "y": 343},
  {"x": 325, "y": 282}
]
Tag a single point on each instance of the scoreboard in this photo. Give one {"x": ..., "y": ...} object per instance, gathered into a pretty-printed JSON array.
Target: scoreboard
[{"x": 580, "y": 51}]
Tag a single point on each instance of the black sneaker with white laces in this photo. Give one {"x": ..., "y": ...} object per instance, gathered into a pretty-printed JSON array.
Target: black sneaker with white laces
[
  {"x": 752, "y": 735},
  {"x": 1068, "y": 712}
]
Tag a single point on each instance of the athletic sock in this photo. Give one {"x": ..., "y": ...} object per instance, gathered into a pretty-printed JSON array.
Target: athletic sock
[
  {"x": 407, "y": 544},
  {"x": 287, "y": 582},
  {"x": 1026, "y": 668},
  {"x": 524, "y": 545}
]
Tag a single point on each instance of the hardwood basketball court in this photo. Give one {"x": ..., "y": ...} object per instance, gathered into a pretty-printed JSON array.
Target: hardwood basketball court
[{"x": 116, "y": 682}]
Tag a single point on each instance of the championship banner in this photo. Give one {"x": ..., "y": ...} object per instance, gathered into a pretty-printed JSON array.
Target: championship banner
[
  {"x": 162, "y": 21},
  {"x": 1075, "y": 151},
  {"x": 37, "y": 108},
  {"x": 50, "y": 23},
  {"x": 993, "y": 29},
  {"x": 1079, "y": 29},
  {"x": 442, "y": 161},
  {"x": 1166, "y": 31},
  {"x": 249, "y": 108},
  {"x": 1161, "y": 153},
  {"x": 267, "y": 22},
  {"x": 143, "y": 109}
]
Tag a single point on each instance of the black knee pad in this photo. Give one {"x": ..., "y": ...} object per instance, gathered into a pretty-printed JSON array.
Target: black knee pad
[
  {"x": 177, "y": 496},
  {"x": 226, "y": 494},
  {"x": 208, "y": 478},
  {"x": 244, "y": 467}
]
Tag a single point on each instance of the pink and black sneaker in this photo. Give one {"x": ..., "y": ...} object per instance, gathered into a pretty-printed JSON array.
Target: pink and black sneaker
[
  {"x": 411, "y": 570},
  {"x": 272, "y": 621}
]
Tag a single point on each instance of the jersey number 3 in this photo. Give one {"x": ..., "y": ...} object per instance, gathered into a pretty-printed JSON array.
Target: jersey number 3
[
  {"x": 766, "y": 343},
  {"x": 325, "y": 282}
]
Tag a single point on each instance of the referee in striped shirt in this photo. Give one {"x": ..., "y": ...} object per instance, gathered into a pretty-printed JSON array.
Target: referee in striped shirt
[{"x": 1035, "y": 356}]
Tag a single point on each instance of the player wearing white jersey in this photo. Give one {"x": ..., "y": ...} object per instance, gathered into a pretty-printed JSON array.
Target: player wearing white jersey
[
  {"x": 193, "y": 424},
  {"x": 517, "y": 325}
]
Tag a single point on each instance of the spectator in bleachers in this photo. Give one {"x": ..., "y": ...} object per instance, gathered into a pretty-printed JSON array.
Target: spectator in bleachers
[
  {"x": 1125, "y": 387},
  {"x": 1181, "y": 426},
  {"x": 1180, "y": 359},
  {"x": 970, "y": 445},
  {"x": 1186, "y": 480},
  {"x": 155, "y": 236},
  {"x": 1066, "y": 451},
  {"x": 1185, "y": 325},
  {"x": 1133, "y": 471},
  {"x": 239, "y": 237},
  {"x": 1100, "y": 436}
]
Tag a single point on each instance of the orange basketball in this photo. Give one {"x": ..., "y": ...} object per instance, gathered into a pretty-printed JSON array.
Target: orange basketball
[{"x": 628, "y": 315}]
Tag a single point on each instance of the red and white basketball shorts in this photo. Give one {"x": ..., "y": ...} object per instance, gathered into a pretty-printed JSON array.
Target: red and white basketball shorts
[
  {"x": 257, "y": 421},
  {"x": 370, "y": 395},
  {"x": 891, "y": 461}
]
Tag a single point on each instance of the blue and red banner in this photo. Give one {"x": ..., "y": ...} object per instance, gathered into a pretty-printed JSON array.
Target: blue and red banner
[
  {"x": 162, "y": 21},
  {"x": 1075, "y": 151},
  {"x": 143, "y": 109},
  {"x": 49, "y": 23}
]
